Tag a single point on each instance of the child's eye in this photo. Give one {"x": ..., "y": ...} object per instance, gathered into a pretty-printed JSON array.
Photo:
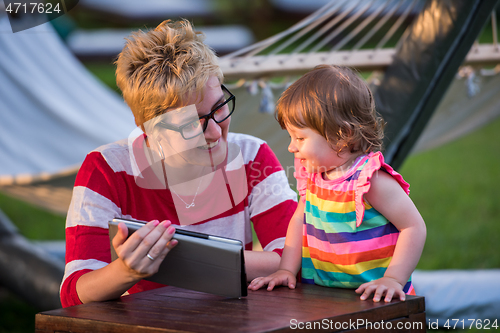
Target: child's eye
[{"x": 299, "y": 139}]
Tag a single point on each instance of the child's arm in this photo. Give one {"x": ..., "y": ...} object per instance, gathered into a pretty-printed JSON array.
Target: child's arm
[
  {"x": 389, "y": 199},
  {"x": 292, "y": 256},
  {"x": 260, "y": 263}
]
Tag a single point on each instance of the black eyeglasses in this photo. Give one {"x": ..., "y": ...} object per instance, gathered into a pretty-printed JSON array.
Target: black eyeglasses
[{"x": 198, "y": 126}]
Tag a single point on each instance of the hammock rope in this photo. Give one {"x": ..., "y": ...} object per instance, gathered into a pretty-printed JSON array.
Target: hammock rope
[{"x": 363, "y": 34}]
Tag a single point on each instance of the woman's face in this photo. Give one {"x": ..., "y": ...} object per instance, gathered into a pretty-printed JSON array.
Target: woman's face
[{"x": 206, "y": 149}]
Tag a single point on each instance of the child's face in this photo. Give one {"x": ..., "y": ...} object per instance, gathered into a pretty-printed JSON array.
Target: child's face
[{"x": 314, "y": 152}]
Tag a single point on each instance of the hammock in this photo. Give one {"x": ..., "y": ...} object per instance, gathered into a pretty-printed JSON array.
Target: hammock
[
  {"x": 366, "y": 35},
  {"x": 363, "y": 34},
  {"x": 344, "y": 32}
]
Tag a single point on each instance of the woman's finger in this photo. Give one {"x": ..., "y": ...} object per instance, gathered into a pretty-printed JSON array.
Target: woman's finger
[
  {"x": 166, "y": 250},
  {"x": 147, "y": 239},
  {"x": 121, "y": 235},
  {"x": 137, "y": 238},
  {"x": 164, "y": 244}
]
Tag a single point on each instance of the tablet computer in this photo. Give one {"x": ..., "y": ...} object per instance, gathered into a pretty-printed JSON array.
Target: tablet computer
[{"x": 198, "y": 262}]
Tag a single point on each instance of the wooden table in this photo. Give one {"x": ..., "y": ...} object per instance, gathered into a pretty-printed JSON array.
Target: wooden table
[{"x": 171, "y": 309}]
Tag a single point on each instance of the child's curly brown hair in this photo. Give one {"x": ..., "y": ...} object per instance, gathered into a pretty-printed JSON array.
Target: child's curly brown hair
[{"x": 337, "y": 103}]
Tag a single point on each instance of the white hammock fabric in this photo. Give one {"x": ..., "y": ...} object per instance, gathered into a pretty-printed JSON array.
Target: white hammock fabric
[{"x": 53, "y": 110}]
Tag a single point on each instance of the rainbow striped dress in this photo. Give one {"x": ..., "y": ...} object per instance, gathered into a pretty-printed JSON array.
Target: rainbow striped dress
[{"x": 346, "y": 242}]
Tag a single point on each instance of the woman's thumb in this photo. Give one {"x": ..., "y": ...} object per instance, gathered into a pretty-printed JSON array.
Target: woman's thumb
[{"x": 121, "y": 235}]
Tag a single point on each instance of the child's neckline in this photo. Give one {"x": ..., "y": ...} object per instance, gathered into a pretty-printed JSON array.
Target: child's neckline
[{"x": 353, "y": 165}]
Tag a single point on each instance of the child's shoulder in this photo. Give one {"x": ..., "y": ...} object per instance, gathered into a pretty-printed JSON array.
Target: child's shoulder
[{"x": 371, "y": 170}]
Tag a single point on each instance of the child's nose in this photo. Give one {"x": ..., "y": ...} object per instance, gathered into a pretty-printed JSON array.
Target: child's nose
[{"x": 292, "y": 148}]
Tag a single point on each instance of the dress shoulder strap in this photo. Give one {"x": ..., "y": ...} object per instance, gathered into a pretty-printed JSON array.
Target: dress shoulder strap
[{"x": 374, "y": 162}]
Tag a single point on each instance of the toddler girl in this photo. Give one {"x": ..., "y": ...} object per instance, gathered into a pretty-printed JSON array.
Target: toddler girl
[{"x": 355, "y": 225}]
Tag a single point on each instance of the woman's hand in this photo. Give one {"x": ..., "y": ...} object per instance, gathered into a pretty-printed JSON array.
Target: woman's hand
[
  {"x": 282, "y": 277},
  {"x": 143, "y": 252},
  {"x": 133, "y": 264},
  {"x": 384, "y": 286}
]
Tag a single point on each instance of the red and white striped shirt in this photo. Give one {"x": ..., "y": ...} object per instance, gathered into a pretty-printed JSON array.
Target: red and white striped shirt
[{"x": 106, "y": 188}]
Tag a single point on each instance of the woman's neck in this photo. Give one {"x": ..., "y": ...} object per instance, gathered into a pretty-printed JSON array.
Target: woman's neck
[
  {"x": 183, "y": 178},
  {"x": 187, "y": 177}
]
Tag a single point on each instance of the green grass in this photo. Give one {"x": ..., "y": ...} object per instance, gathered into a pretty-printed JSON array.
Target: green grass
[
  {"x": 453, "y": 186},
  {"x": 33, "y": 222},
  {"x": 105, "y": 72},
  {"x": 36, "y": 224},
  {"x": 15, "y": 315}
]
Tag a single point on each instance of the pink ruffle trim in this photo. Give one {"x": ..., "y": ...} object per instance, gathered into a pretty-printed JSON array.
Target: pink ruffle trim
[{"x": 375, "y": 163}]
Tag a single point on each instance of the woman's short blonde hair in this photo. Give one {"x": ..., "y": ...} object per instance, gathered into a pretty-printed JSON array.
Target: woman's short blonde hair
[
  {"x": 338, "y": 104},
  {"x": 162, "y": 68}
]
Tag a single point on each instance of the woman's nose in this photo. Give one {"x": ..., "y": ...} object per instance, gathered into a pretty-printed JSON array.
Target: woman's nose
[{"x": 213, "y": 131}]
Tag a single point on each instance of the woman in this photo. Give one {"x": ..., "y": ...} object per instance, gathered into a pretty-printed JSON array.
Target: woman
[{"x": 181, "y": 167}]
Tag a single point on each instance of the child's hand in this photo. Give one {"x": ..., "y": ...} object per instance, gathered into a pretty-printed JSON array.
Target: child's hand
[
  {"x": 384, "y": 286},
  {"x": 281, "y": 277}
]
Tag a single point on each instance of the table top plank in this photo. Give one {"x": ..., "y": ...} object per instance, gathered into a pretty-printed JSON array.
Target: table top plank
[
  {"x": 316, "y": 298},
  {"x": 174, "y": 309}
]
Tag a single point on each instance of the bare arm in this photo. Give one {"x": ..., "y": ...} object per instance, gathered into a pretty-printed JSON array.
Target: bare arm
[
  {"x": 292, "y": 252},
  {"x": 260, "y": 263},
  {"x": 388, "y": 198},
  {"x": 132, "y": 265},
  {"x": 290, "y": 262}
]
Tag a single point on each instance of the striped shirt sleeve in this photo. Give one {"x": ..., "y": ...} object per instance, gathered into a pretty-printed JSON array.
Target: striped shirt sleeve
[
  {"x": 92, "y": 206},
  {"x": 271, "y": 202}
]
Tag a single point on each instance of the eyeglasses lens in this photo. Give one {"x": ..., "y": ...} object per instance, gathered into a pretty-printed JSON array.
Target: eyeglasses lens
[
  {"x": 197, "y": 127},
  {"x": 224, "y": 112},
  {"x": 192, "y": 129}
]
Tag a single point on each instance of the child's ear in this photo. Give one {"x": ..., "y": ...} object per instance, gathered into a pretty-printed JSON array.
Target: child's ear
[{"x": 354, "y": 148}]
